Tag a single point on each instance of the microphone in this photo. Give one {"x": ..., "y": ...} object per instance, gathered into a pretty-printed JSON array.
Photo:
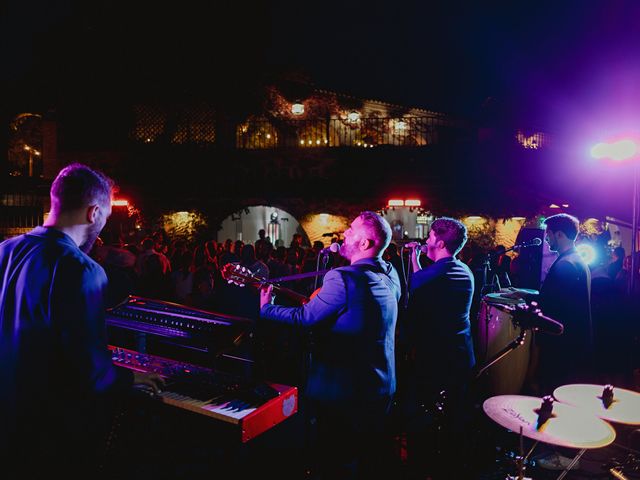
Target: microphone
[
  {"x": 530, "y": 316},
  {"x": 412, "y": 245},
  {"x": 536, "y": 242},
  {"x": 333, "y": 248}
]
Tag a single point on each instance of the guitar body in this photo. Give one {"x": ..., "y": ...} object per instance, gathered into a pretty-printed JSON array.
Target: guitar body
[{"x": 282, "y": 352}]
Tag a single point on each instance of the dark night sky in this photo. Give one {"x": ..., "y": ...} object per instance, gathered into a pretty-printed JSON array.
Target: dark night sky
[
  {"x": 540, "y": 60},
  {"x": 571, "y": 67}
]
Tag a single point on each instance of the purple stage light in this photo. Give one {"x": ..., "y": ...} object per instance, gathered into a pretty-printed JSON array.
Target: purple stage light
[
  {"x": 626, "y": 149},
  {"x": 620, "y": 150}
]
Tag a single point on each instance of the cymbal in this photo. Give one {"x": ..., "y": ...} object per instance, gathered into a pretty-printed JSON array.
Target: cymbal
[
  {"x": 510, "y": 296},
  {"x": 503, "y": 299},
  {"x": 522, "y": 291},
  {"x": 624, "y": 406},
  {"x": 568, "y": 426}
]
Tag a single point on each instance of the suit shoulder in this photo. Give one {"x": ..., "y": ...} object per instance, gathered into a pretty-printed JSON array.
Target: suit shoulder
[
  {"x": 571, "y": 264},
  {"x": 337, "y": 273},
  {"x": 460, "y": 264}
]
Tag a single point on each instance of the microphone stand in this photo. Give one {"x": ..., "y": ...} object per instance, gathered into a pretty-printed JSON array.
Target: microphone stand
[
  {"x": 486, "y": 272},
  {"x": 405, "y": 274},
  {"x": 486, "y": 269},
  {"x": 325, "y": 261},
  {"x": 308, "y": 415}
]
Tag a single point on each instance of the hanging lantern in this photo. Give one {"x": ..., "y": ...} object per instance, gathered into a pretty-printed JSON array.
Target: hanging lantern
[
  {"x": 297, "y": 108},
  {"x": 353, "y": 117}
]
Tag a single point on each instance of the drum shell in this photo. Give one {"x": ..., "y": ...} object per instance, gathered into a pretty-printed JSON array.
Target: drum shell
[{"x": 495, "y": 330}]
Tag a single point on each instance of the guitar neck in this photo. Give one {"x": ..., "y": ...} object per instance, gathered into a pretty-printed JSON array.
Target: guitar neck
[
  {"x": 297, "y": 297},
  {"x": 242, "y": 276}
]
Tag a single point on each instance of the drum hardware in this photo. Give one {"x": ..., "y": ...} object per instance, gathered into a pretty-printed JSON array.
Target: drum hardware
[
  {"x": 522, "y": 460},
  {"x": 518, "y": 341},
  {"x": 526, "y": 317},
  {"x": 511, "y": 295},
  {"x": 545, "y": 421},
  {"x": 615, "y": 405},
  {"x": 564, "y": 425},
  {"x": 615, "y": 473},
  {"x": 617, "y": 467}
]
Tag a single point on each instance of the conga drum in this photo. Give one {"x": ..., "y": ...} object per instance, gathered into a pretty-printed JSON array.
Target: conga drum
[{"x": 495, "y": 330}]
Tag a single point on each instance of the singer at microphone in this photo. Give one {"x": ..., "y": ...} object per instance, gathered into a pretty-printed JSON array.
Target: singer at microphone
[
  {"x": 416, "y": 247},
  {"x": 333, "y": 248}
]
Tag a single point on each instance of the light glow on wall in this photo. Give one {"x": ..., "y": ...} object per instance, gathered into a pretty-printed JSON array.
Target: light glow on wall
[{"x": 324, "y": 226}]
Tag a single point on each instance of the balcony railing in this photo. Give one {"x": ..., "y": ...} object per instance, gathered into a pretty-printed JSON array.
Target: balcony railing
[
  {"x": 22, "y": 217},
  {"x": 336, "y": 132}
]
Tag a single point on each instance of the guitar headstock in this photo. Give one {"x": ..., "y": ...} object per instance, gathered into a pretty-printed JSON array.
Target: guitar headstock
[{"x": 239, "y": 275}]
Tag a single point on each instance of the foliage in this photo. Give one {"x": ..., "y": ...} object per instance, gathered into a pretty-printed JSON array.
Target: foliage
[
  {"x": 25, "y": 131},
  {"x": 187, "y": 226},
  {"x": 483, "y": 234}
]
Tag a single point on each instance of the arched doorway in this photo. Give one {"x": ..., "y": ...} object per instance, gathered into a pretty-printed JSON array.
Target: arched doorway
[{"x": 244, "y": 225}]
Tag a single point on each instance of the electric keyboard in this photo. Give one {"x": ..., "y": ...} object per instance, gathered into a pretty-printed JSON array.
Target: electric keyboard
[
  {"x": 172, "y": 320},
  {"x": 250, "y": 407}
]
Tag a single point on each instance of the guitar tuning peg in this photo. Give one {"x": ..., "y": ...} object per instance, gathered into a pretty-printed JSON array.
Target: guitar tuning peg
[
  {"x": 242, "y": 285},
  {"x": 229, "y": 282},
  {"x": 244, "y": 270}
]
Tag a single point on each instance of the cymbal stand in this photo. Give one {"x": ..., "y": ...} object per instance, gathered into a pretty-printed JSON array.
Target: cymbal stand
[
  {"x": 630, "y": 462},
  {"x": 521, "y": 460},
  {"x": 570, "y": 466}
]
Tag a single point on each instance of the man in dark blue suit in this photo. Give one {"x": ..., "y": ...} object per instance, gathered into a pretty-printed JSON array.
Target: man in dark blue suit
[
  {"x": 565, "y": 296},
  {"x": 352, "y": 377},
  {"x": 56, "y": 373},
  {"x": 440, "y": 340}
]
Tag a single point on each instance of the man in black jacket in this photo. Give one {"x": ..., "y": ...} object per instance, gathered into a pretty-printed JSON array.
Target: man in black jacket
[
  {"x": 565, "y": 296},
  {"x": 440, "y": 297}
]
